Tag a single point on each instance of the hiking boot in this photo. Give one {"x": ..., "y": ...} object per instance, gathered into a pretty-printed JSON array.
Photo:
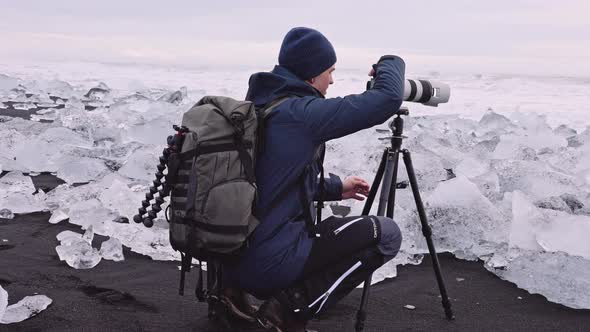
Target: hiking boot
[
  {"x": 274, "y": 316},
  {"x": 239, "y": 304}
]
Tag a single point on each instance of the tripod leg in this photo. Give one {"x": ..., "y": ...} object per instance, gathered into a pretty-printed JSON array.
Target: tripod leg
[
  {"x": 391, "y": 199},
  {"x": 385, "y": 173},
  {"x": 375, "y": 185},
  {"x": 392, "y": 157},
  {"x": 427, "y": 234}
]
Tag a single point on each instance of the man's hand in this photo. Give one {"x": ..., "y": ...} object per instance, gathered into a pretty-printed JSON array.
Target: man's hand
[{"x": 354, "y": 187}]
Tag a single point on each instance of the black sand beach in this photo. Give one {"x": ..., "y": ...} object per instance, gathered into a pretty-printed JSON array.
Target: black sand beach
[{"x": 140, "y": 294}]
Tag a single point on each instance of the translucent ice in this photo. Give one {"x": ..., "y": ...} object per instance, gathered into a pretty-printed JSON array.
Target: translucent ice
[
  {"x": 98, "y": 93},
  {"x": 526, "y": 218},
  {"x": 495, "y": 122},
  {"x": 558, "y": 276},
  {"x": 80, "y": 169},
  {"x": 68, "y": 237},
  {"x": 140, "y": 165},
  {"x": 6, "y": 214},
  {"x": 56, "y": 88},
  {"x": 90, "y": 212},
  {"x": 88, "y": 235},
  {"x": 565, "y": 233},
  {"x": 112, "y": 249},
  {"x": 463, "y": 220},
  {"x": 7, "y": 83},
  {"x": 118, "y": 197},
  {"x": 3, "y": 301},
  {"x": 565, "y": 131},
  {"x": 471, "y": 167},
  {"x": 16, "y": 194},
  {"x": 535, "y": 179},
  {"x": 57, "y": 216},
  {"x": 78, "y": 254},
  {"x": 24, "y": 309},
  {"x": 175, "y": 97},
  {"x": 24, "y": 106},
  {"x": 16, "y": 182}
]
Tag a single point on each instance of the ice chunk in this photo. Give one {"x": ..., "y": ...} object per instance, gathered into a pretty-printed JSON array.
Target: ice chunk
[
  {"x": 88, "y": 235},
  {"x": 535, "y": 179},
  {"x": 525, "y": 217},
  {"x": 6, "y": 214},
  {"x": 24, "y": 106},
  {"x": 511, "y": 147},
  {"x": 463, "y": 220},
  {"x": 566, "y": 233},
  {"x": 553, "y": 203},
  {"x": 16, "y": 194},
  {"x": 141, "y": 165},
  {"x": 572, "y": 201},
  {"x": 57, "y": 216},
  {"x": 121, "y": 220},
  {"x": 80, "y": 169},
  {"x": 16, "y": 182},
  {"x": 56, "y": 88},
  {"x": 153, "y": 242},
  {"x": 90, "y": 212},
  {"x": 492, "y": 121},
  {"x": 78, "y": 254},
  {"x": 74, "y": 117},
  {"x": 118, "y": 197},
  {"x": 68, "y": 237},
  {"x": 558, "y": 276},
  {"x": 3, "y": 301},
  {"x": 98, "y": 93},
  {"x": 533, "y": 122},
  {"x": 7, "y": 83},
  {"x": 152, "y": 132},
  {"x": 112, "y": 249},
  {"x": 175, "y": 97},
  {"x": 26, "y": 308},
  {"x": 23, "y": 203},
  {"x": 471, "y": 167},
  {"x": 565, "y": 131}
]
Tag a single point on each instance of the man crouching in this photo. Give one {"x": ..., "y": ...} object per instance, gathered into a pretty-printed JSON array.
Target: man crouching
[{"x": 301, "y": 270}]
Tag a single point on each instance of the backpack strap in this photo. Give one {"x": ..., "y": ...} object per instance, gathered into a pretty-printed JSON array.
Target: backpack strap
[
  {"x": 309, "y": 222},
  {"x": 262, "y": 116},
  {"x": 320, "y": 203}
]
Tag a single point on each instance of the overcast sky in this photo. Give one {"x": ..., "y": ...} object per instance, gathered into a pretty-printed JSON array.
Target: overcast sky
[{"x": 537, "y": 37}]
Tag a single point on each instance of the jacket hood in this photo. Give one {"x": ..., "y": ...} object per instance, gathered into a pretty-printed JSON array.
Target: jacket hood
[{"x": 280, "y": 82}]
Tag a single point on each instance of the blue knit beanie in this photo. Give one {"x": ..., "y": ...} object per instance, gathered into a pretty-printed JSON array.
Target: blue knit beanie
[{"x": 306, "y": 53}]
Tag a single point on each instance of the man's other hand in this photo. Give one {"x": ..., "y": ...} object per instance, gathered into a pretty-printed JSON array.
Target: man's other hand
[{"x": 355, "y": 187}]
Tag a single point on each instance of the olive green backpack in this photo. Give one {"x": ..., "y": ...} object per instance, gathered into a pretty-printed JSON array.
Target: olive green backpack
[{"x": 213, "y": 185}]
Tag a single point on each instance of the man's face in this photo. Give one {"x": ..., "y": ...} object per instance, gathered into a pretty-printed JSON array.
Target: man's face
[{"x": 323, "y": 80}]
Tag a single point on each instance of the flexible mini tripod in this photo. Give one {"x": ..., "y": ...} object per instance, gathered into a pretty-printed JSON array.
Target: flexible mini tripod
[{"x": 387, "y": 177}]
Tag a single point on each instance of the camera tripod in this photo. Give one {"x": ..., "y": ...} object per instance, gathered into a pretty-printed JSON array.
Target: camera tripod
[{"x": 387, "y": 177}]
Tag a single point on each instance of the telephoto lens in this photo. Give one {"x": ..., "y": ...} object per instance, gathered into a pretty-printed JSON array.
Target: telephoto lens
[{"x": 426, "y": 92}]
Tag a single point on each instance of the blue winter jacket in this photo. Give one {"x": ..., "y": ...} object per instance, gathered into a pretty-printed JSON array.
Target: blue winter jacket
[{"x": 295, "y": 131}]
